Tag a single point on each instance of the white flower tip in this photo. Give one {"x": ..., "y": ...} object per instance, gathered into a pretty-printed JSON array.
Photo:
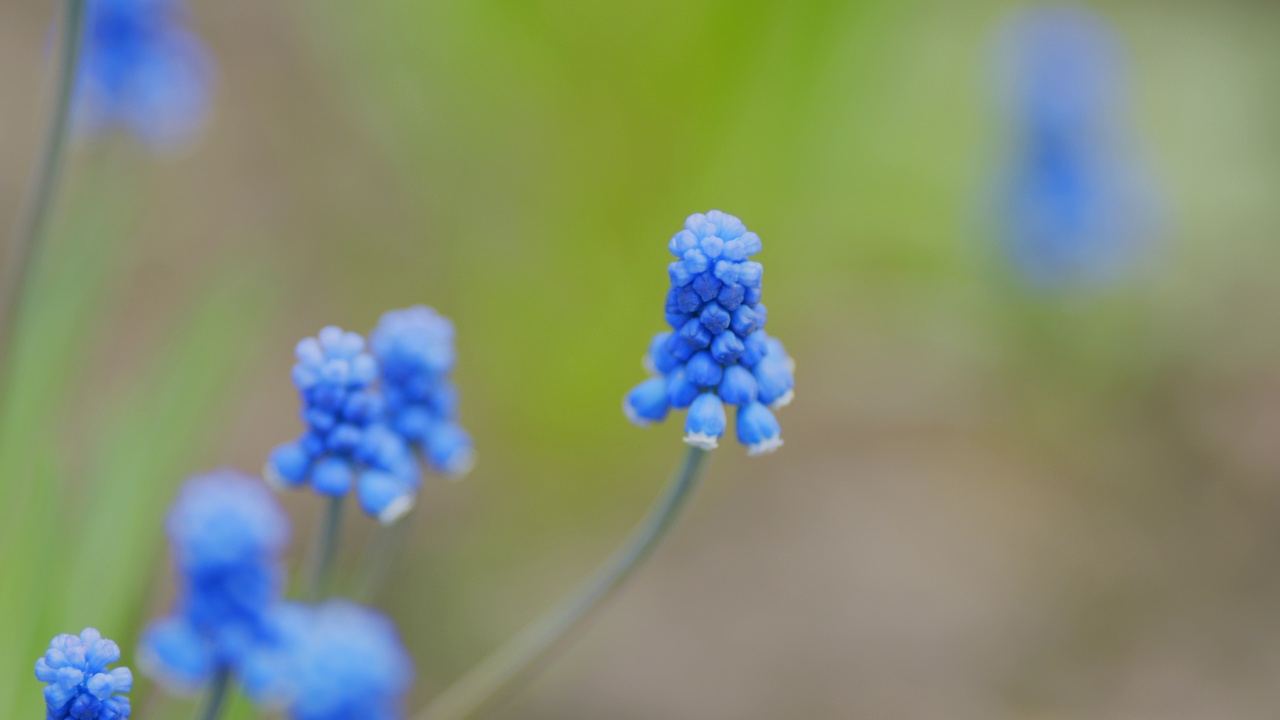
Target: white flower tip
[
  {"x": 633, "y": 416},
  {"x": 765, "y": 447},
  {"x": 702, "y": 440},
  {"x": 647, "y": 363},
  {"x": 784, "y": 400},
  {"x": 396, "y": 509},
  {"x": 461, "y": 464},
  {"x": 273, "y": 479}
]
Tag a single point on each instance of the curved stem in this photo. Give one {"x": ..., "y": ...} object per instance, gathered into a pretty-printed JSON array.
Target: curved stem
[
  {"x": 327, "y": 549},
  {"x": 217, "y": 693},
  {"x": 515, "y": 660},
  {"x": 26, "y": 244}
]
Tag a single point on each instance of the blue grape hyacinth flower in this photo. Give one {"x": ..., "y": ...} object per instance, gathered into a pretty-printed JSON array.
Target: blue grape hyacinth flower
[
  {"x": 1075, "y": 206},
  {"x": 143, "y": 71},
  {"x": 335, "y": 661},
  {"x": 414, "y": 349},
  {"x": 227, "y": 533},
  {"x": 78, "y": 684},
  {"x": 347, "y": 442},
  {"x": 717, "y": 352}
]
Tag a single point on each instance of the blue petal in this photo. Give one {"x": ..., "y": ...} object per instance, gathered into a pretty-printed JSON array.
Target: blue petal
[
  {"x": 758, "y": 429},
  {"x": 647, "y": 402},
  {"x": 706, "y": 422}
]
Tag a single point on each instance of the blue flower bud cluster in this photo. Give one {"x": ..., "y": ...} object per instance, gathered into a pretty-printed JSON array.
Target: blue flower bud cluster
[
  {"x": 335, "y": 661},
  {"x": 414, "y": 348},
  {"x": 366, "y": 413},
  {"x": 717, "y": 351},
  {"x": 142, "y": 70},
  {"x": 227, "y": 533},
  {"x": 1075, "y": 206},
  {"x": 78, "y": 684}
]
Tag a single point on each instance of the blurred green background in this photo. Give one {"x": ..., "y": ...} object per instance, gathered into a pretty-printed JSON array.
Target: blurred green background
[{"x": 992, "y": 502}]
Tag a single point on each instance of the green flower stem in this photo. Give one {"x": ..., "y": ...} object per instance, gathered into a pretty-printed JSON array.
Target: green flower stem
[
  {"x": 26, "y": 245},
  {"x": 326, "y": 550},
  {"x": 217, "y": 693},
  {"x": 516, "y": 660},
  {"x": 380, "y": 557}
]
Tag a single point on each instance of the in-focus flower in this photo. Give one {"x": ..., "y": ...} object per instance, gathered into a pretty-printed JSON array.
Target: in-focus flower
[
  {"x": 414, "y": 348},
  {"x": 347, "y": 441},
  {"x": 335, "y": 661},
  {"x": 78, "y": 684},
  {"x": 717, "y": 352},
  {"x": 227, "y": 533},
  {"x": 142, "y": 70},
  {"x": 1075, "y": 206}
]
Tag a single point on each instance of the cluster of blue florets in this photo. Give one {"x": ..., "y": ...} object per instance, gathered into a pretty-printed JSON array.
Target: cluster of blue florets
[
  {"x": 717, "y": 352},
  {"x": 366, "y": 413},
  {"x": 142, "y": 70},
  {"x": 1075, "y": 206},
  {"x": 335, "y": 661},
  {"x": 227, "y": 533},
  {"x": 414, "y": 349},
  {"x": 78, "y": 684}
]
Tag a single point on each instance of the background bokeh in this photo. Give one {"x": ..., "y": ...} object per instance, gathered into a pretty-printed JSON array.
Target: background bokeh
[{"x": 994, "y": 501}]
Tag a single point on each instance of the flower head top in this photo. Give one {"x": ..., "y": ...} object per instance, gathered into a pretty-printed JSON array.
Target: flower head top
[
  {"x": 143, "y": 71},
  {"x": 414, "y": 348},
  {"x": 1075, "y": 205},
  {"x": 78, "y": 684},
  {"x": 336, "y": 661},
  {"x": 227, "y": 533},
  {"x": 717, "y": 351},
  {"x": 347, "y": 441}
]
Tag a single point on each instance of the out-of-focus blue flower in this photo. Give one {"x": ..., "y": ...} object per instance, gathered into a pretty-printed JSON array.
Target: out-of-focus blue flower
[
  {"x": 1075, "y": 206},
  {"x": 227, "y": 532},
  {"x": 142, "y": 70},
  {"x": 336, "y": 661},
  {"x": 347, "y": 441},
  {"x": 414, "y": 348},
  {"x": 717, "y": 352},
  {"x": 78, "y": 684}
]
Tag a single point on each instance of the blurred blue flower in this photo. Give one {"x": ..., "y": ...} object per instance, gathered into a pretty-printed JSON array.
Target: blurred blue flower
[
  {"x": 717, "y": 353},
  {"x": 335, "y": 661},
  {"x": 347, "y": 442},
  {"x": 1075, "y": 206},
  {"x": 227, "y": 533},
  {"x": 414, "y": 348},
  {"x": 78, "y": 684},
  {"x": 142, "y": 70}
]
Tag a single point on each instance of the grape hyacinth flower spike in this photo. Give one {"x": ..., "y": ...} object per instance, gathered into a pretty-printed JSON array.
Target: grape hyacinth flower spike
[
  {"x": 717, "y": 352},
  {"x": 347, "y": 442},
  {"x": 78, "y": 684},
  {"x": 414, "y": 349},
  {"x": 142, "y": 71},
  {"x": 227, "y": 533},
  {"x": 1075, "y": 204},
  {"x": 334, "y": 661}
]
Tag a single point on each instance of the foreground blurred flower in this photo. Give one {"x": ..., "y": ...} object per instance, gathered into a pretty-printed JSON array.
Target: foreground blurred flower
[
  {"x": 142, "y": 71},
  {"x": 78, "y": 683},
  {"x": 335, "y": 661},
  {"x": 717, "y": 352},
  {"x": 227, "y": 533},
  {"x": 347, "y": 441},
  {"x": 1075, "y": 206},
  {"x": 414, "y": 348}
]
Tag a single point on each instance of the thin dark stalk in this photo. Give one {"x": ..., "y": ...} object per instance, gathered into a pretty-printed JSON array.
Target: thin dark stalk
[
  {"x": 380, "y": 557},
  {"x": 517, "y": 660},
  {"x": 212, "y": 704},
  {"x": 327, "y": 550},
  {"x": 35, "y": 219}
]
